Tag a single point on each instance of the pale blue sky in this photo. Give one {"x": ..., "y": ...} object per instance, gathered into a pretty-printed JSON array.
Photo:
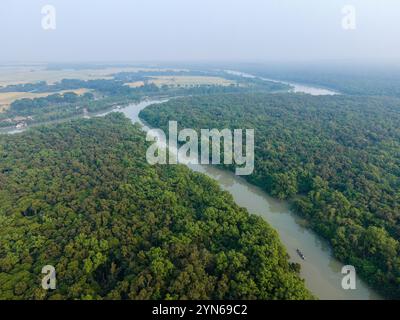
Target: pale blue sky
[{"x": 205, "y": 30}]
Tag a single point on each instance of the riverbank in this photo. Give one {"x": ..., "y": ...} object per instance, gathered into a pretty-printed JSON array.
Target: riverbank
[
  {"x": 321, "y": 271},
  {"x": 296, "y": 87}
]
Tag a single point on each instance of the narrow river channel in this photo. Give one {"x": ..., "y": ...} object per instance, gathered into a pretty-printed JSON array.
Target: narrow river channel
[{"x": 321, "y": 271}]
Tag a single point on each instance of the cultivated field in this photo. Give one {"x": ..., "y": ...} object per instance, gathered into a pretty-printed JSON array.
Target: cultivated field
[
  {"x": 6, "y": 98},
  {"x": 10, "y": 75}
]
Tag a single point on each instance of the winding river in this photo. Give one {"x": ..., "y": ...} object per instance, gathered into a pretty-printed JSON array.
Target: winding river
[
  {"x": 321, "y": 271},
  {"x": 296, "y": 87}
]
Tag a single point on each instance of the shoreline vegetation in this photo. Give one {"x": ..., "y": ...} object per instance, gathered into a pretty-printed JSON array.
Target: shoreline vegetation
[
  {"x": 81, "y": 196},
  {"x": 334, "y": 157},
  {"x": 104, "y": 94}
]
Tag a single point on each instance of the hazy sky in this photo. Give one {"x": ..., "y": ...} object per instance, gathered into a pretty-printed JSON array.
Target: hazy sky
[{"x": 206, "y": 30}]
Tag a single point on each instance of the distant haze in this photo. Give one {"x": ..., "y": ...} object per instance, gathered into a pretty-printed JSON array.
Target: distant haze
[{"x": 199, "y": 30}]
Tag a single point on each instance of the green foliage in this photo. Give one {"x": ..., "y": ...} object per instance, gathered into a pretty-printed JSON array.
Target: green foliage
[
  {"x": 81, "y": 196},
  {"x": 336, "y": 157},
  {"x": 352, "y": 79},
  {"x": 107, "y": 93}
]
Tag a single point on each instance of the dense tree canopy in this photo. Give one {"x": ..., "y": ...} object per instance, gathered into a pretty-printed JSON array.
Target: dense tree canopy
[
  {"x": 80, "y": 196},
  {"x": 337, "y": 158},
  {"x": 352, "y": 79},
  {"x": 107, "y": 93}
]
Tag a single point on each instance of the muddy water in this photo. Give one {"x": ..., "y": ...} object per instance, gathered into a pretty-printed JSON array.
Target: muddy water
[{"x": 321, "y": 271}]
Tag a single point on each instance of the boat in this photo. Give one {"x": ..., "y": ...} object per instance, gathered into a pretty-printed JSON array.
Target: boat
[
  {"x": 301, "y": 254},
  {"x": 21, "y": 125}
]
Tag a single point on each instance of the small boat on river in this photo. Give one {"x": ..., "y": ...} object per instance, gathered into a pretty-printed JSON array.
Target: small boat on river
[
  {"x": 301, "y": 254},
  {"x": 21, "y": 125}
]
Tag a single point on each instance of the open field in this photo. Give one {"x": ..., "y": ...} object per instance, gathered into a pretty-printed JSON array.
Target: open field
[
  {"x": 6, "y": 98},
  {"x": 10, "y": 75},
  {"x": 184, "y": 81},
  {"x": 136, "y": 84}
]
